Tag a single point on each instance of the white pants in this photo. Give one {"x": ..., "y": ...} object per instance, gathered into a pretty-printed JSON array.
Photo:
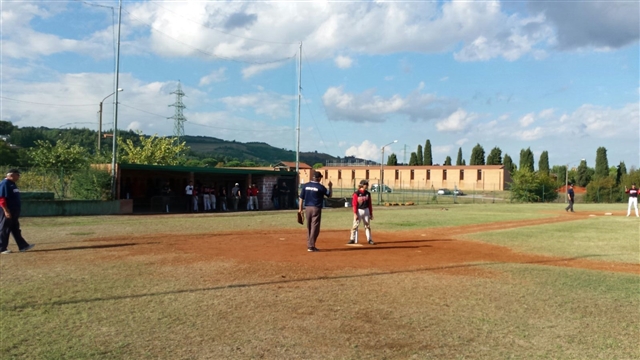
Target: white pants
[
  {"x": 633, "y": 201},
  {"x": 195, "y": 203},
  {"x": 206, "y": 199},
  {"x": 363, "y": 215},
  {"x": 212, "y": 205}
]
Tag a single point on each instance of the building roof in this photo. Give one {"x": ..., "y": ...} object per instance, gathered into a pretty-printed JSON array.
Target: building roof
[
  {"x": 419, "y": 167},
  {"x": 292, "y": 165}
]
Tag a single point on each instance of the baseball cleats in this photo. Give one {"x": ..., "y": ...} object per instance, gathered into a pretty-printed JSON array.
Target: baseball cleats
[
  {"x": 6, "y": 252},
  {"x": 371, "y": 242},
  {"x": 313, "y": 249},
  {"x": 351, "y": 242},
  {"x": 28, "y": 248}
]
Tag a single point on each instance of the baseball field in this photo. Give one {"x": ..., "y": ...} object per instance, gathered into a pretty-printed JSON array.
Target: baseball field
[{"x": 470, "y": 281}]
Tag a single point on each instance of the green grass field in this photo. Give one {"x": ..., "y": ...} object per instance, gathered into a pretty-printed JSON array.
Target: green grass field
[{"x": 78, "y": 297}]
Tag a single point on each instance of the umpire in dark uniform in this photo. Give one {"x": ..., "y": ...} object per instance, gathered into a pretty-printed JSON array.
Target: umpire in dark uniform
[
  {"x": 10, "y": 214},
  {"x": 312, "y": 197},
  {"x": 571, "y": 195}
]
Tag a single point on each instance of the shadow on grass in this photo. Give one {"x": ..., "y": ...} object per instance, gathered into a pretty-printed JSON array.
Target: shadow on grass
[
  {"x": 107, "y": 246},
  {"x": 279, "y": 282}
]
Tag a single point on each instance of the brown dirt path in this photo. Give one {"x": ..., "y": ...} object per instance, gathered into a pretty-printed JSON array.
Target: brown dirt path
[{"x": 433, "y": 249}]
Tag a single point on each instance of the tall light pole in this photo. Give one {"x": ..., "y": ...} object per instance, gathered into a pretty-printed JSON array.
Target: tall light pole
[
  {"x": 566, "y": 178},
  {"x": 114, "y": 154},
  {"x": 100, "y": 121},
  {"x": 381, "y": 188}
]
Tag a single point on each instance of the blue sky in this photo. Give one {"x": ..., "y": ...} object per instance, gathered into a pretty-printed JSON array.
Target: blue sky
[{"x": 556, "y": 76}]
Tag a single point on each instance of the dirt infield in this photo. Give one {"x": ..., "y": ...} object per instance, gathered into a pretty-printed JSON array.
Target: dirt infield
[{"x": 437, "y": 249}]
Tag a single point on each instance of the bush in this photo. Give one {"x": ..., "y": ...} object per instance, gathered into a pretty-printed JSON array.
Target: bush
[
  {"x": 527, "y": 186},
  {"x": 91, "y": 184},
  {"x": 604, "y": 190}
]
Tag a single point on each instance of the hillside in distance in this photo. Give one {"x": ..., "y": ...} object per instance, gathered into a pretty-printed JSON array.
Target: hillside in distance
[{"x": 257, "y": 151}]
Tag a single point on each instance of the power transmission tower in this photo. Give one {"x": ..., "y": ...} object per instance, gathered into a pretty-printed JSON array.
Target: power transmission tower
[{"x": 178, "y": 117}]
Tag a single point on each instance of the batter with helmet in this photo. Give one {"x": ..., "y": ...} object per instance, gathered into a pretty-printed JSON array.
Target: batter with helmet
[{"x": 362, "y": 211}]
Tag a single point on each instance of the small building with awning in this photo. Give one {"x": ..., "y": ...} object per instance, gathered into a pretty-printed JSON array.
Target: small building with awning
[{"x": 143, "y": 184}]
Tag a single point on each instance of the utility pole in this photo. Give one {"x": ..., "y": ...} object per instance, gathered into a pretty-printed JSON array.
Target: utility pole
[
  {"x": 298, "y": 122},
  {"x": 114, "y": 155},
  {"x": 178, "y": 117}
]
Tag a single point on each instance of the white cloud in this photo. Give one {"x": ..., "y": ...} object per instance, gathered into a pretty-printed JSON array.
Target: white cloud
[
  {"x": 530, "y": 135},
  {"x": 462, "y": 141},
  {"x": 253, "y": 70},
  {"x": 366, "y": 150},
  {"x": 263, "y": 103},
  {"x": 390, "y": 78},
  {"x": 546, "y": 113},
  {"x": 458, "y": 121},
  {"x": 214, "y": 77},
  {"x": 444, "y": 78},
  {"x": 343, "y": 62},
  {"x": 369, "y": 107},
  {"x": 134, "y": 125},
  {"x": 527, "y": 120},
  {"x": 442, "y": 149}
]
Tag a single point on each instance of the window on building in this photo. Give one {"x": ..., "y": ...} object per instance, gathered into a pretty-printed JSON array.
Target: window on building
[
  {"x": 412, "y": 174},
  {"x": 461, "y": 174},
  {"x": 397, "y": 174},
  {"x": 479, "y": 174},
  {"x": 444, "y": 174},
  {"x": 339, "y": 174},
  {"x": 367, "y": 175},
  {"x": 428, "y": 174}
]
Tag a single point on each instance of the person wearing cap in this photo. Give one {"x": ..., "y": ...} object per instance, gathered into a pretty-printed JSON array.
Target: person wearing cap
[
  {"x": 10, "y": 214},
  {"x": 570, "y": 198},
  {"x": 235, "y": 194},
  {"x": 312, "y": 197},
  {"x": 362, "y": 211},
  {"x": 633, "y": 198}
]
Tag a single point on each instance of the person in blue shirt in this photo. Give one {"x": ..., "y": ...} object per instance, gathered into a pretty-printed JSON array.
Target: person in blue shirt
[
  {"x": 10, "y": 214},
  {"x": 312, "y": 196}
]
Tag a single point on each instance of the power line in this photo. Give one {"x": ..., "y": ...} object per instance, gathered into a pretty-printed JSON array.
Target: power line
[
  {"x": 206, "y": 52},
  {"x": 208, "y": 126},
  {"x": 227, "y": 33},
  {"x": 38, "y": 103}
]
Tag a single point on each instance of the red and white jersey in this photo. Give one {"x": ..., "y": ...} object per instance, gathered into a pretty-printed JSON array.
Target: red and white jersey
[{"x": 633, "y": 192}]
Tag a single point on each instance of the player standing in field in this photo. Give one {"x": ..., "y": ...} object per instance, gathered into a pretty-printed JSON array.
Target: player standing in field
[
  {"x": 633, "y": 198},
  {"x": 570, "y": 197},
  {"x": 312, "y": 197},
  {"x": 362, "y": 211}
]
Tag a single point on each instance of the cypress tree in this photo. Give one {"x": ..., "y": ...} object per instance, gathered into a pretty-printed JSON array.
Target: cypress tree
[
  {"x": 602, "y": 164},
  {"x": 464, "y": 162},
  {"x": 419, "y": 155},
  {"x": 508, "y": 163},
  {"x": 447, "y": 161},
  {"x": 392, "y": 160},
  {"x": 413, "y": 160},
  {"x": 495, "y": 156},
  {"x": 526, "y": 160},
  {"x": 582, "y": 176},
  {"x": 459, "y": 158},
  {"x": 543, "y": 163},
  {"x": 477, "y": 155},
  {"x": 428, "y": 158}
]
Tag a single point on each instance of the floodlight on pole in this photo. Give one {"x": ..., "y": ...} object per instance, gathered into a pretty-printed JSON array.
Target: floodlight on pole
[
  {"x": 100, "y": 121},
  {"x": 381, "y": 188}
]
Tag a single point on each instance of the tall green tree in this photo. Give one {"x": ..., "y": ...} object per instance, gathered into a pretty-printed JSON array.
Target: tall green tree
[
  {"x": 419, "y": 155},
  {"x": 477, "y": 155},
  {"x": 508, "y": 164},
  {"x": 543, "y": 163},
  {"x": 413, "y": 160},
  {"x": 392, "y": 160},
  {"x": 6, "y": 127},
  {"x": 428, "y": 158},
  {"x": 527, "y": 186},
  {"x": 582, "y": 176},
  {"x": 602, "y": 164},
  {"x": 61, "y": 156},
  {"x": 621, "y": 171},
  {"x": 8, "y": 156},
  {"x": 495, "y": 156},
  {"x": 447, "y": 161},
  {"x": 464, "y": 162},
  {"x": 560, "y": 171},
  {"x": 526, "y": 160},
  {"x": 153, "y": 150},
  {"x": 459, "y": 158}
]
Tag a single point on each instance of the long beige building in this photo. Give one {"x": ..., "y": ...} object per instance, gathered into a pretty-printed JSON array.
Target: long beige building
[{"x": 469, "y": 178}]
